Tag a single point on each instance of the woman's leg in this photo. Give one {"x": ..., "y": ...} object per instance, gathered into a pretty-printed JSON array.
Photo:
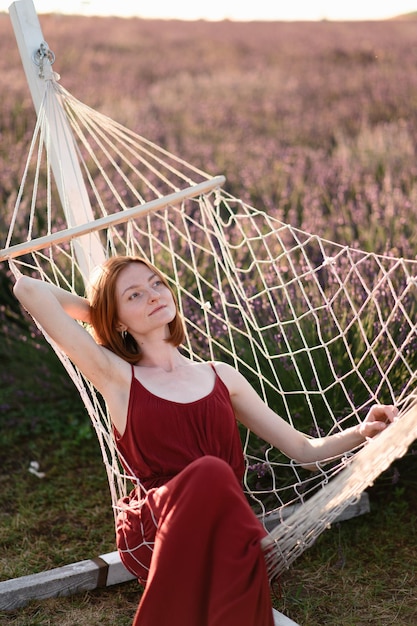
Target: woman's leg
[{"x": 207, "y": 567}]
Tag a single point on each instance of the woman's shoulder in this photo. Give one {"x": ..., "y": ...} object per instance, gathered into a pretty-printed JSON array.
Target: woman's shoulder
[{"x": 231, "y": 377}]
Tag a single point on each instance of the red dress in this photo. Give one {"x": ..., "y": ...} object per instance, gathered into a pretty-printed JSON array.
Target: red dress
[{"x": 188, "y": 532}]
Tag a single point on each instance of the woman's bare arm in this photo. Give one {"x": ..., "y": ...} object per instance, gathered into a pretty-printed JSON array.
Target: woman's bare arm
[
  {"x": 56, "y": 311},
  {"x": 74, "y": 305},
  {"x": 260, "y": 419}
]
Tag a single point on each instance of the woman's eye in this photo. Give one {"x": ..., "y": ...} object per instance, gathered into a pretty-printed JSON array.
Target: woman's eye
[{"x": 134, "y": 295}]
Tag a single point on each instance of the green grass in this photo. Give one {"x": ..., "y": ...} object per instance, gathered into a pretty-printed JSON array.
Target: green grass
[
  {"x": 359, "y": 572},
  {"x": 61, "y": 518}
]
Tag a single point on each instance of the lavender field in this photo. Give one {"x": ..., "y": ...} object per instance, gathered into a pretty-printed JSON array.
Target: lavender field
[{"x": 313, "y": 122}]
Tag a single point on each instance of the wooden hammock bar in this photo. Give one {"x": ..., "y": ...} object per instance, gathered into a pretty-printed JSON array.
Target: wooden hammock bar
[{"x": 107, "y": 221}]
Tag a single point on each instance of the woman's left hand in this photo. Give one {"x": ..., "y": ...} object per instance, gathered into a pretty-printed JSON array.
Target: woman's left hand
[{"x": 379, "y": 417}]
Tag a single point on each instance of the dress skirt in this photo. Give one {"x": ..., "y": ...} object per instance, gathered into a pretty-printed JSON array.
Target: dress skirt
[{"x": 195, "y": 544}]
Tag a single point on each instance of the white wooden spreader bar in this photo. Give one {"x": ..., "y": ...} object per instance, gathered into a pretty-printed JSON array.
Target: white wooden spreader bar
[{"x": 111, "y": 220}]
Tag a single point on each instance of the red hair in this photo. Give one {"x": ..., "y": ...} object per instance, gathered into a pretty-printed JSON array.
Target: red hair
[{"x": 104, "y": 313}]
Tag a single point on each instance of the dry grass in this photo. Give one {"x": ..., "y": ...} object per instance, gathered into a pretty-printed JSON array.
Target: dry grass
[
  {"x": 108, "y": 607},
  {"x": 361, "y": 572}
]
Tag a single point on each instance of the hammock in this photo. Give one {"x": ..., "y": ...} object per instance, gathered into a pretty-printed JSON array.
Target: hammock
[{"x": 321, "y": 330}]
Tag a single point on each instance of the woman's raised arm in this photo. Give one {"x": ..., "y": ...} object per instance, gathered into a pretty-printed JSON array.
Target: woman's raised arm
[
  {"x": 56, "y": 310},
  {"x": 28, "y": 290}
]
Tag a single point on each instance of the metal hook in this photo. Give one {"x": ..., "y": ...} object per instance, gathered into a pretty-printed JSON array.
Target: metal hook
[{"x": 40, "y": 55}]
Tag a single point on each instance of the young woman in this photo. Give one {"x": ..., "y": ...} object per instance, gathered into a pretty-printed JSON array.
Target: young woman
[{"x": 187, "y": 532}]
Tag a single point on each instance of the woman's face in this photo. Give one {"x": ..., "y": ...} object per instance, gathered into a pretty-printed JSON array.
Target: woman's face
[{"x": 144, "y": 303}]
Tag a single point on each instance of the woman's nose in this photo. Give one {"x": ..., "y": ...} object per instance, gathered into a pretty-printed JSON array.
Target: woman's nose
[{"x": 153, "y": 294}]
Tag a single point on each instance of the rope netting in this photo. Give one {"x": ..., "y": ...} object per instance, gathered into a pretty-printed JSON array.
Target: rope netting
[{"x": 321, "y": 330}]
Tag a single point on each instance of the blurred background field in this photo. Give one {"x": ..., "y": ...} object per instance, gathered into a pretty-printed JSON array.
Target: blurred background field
[{"x": 316, "y": 123}]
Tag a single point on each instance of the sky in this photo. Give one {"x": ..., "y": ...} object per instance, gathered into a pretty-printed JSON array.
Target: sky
[{"x": 237, "y": 10}]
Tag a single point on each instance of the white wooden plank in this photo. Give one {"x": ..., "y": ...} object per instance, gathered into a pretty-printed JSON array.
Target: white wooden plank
[
  {"x": 282, "y": 620},
  {"x": 116, "y": 573},
  {"x": 360, "y": 507},
  {"x": 106, "y": 570},
  {"x": 61, "y": 581}
]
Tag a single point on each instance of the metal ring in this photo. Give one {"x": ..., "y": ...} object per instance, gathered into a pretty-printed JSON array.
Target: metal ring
[{"x": 42, "y": 53}]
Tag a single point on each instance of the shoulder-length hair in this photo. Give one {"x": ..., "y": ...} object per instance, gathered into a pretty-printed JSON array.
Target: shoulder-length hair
[{"x": 101, "y": 294}]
